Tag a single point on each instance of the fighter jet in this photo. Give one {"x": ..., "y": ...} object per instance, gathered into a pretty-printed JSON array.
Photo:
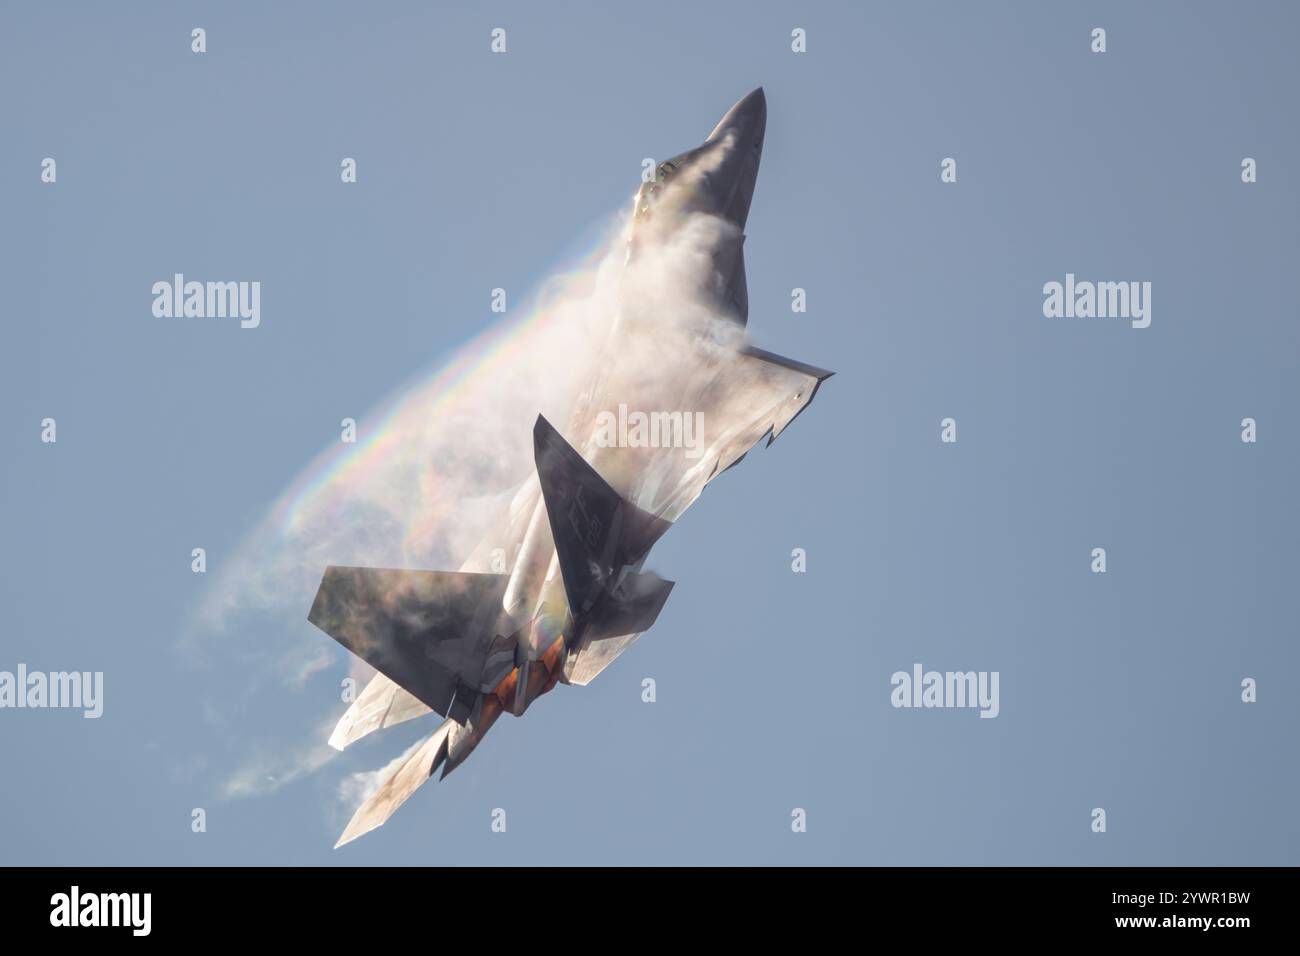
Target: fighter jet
[{"x": 492, "y": 637}]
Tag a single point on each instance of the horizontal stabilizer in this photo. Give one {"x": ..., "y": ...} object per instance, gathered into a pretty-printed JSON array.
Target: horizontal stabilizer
[
  {"x": 405, "y": 779},
  {"x": 631, "y": 607},
  {"x": 427, "y": 631},
  {"x": 616, "y": 623}
]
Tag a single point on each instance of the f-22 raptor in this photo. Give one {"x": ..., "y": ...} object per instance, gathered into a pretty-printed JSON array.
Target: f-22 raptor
[{"x": 480, "y": 642}]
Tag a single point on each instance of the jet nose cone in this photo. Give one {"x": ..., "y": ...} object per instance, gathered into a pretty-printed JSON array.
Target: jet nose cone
[{"x": 748, "y": 118}]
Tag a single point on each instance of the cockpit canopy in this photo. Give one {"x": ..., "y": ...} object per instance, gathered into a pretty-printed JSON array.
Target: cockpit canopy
[{"x": 650, "y": 192}]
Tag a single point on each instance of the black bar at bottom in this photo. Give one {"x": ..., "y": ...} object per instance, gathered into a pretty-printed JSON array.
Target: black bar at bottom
[{"x": 329, "y": 905}]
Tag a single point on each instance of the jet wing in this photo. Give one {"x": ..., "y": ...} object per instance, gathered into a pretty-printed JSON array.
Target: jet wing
[
  {"x": 382, "y": 704},
  {"x": 428, "y": 631},
  {"x": 754, "y": 394}
]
